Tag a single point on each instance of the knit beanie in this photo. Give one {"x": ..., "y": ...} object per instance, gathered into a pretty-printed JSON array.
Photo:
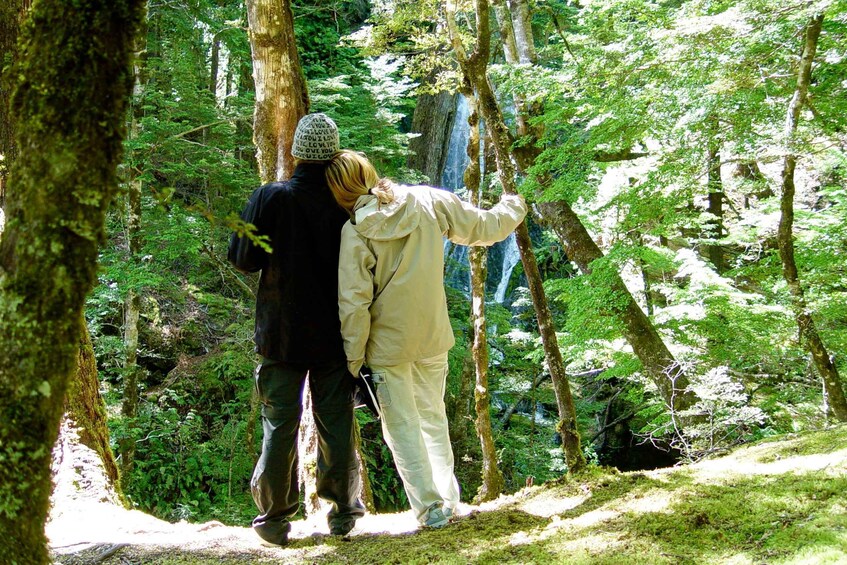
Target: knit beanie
[{"x": 316, "y": 138}]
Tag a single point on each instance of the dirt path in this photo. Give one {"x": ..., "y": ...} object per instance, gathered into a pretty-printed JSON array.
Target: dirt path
[{"x": 775, "y": 502}]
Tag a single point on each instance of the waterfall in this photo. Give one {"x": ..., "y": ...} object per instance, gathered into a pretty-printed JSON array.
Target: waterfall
[
  {"x": 456, "y": 268},
  {"x": 457, "y": 152},
  {"x": 511, "y": 256}
]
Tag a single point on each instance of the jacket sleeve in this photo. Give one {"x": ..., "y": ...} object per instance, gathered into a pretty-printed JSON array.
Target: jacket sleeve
[
  {"x": 243, "y": 253},
  {"x": 466, "y": 225},
  {"x": 355, "y": 295}
]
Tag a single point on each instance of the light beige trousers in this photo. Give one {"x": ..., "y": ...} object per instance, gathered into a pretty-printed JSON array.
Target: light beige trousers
[{"x": 414, "y": 424}]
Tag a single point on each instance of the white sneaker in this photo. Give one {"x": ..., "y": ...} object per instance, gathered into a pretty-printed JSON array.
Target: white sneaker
[{"x": 435, "y": 517}]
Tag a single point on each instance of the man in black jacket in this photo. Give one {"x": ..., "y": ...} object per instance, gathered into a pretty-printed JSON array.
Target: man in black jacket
[{"x": 298, "y": 333}]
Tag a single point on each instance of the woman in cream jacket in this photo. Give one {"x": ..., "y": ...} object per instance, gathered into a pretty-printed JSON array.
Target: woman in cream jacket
[{"x": 393, "y": 312}]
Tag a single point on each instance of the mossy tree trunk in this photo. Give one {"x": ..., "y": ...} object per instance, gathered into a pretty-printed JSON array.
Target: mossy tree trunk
[
  {"x": 71, "y": 86},
  {"x": 492, "y": 478},
  {"x": 809, "y": 335},
  {"x": 85, "y": 407},
  {"x": 83, "y": 403},
  {"x": 474, "y": 68},
  {"x": 281, "y": 94},
  {"x": 11, "y": 15}
]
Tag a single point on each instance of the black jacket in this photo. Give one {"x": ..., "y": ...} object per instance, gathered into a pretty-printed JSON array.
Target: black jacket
[{"x": 297, "y": 303}]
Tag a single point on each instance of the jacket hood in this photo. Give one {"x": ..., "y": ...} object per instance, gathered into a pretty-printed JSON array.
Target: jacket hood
[{"x": 384, "y": 222}]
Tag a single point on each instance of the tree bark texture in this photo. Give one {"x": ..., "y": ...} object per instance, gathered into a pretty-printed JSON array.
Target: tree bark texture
[
  {"x": 11, "y": 15},
  {"x": 507, "y": 33},
  {"x": 492, "y": 478},
  {"x": 85, "y": 407},
  {"x": 474, "y": 67},
  {"x": 522, "y": 25},
  {"x": 808, "y": 330},
  {"x": 72, "y": 82},
  {"x": 433, "y": 120},
  {"x": 281, "y": 94}
]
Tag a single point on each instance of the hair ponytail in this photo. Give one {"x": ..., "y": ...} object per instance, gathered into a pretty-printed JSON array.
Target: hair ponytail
[{"x": 350, "y": 175}]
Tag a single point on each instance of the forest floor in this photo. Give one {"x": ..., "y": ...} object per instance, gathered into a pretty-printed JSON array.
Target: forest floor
[{"x": 783, "y": 500}]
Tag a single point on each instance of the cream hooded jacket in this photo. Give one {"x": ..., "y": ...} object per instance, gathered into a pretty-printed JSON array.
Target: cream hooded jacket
[{"x": 391, "y": 296}]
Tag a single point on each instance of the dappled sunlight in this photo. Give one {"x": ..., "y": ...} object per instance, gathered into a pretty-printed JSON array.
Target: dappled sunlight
[
  {"x": 587, "y": 545},
  {"x": 550, "y": 506},
  {"x": 658, "y": 501},
  {"x": 730, "y": 467},
  {"x": 593, "y": 518}
]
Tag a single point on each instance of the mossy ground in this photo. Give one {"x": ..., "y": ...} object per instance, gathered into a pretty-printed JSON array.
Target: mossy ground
[{"x": 780, "y": 501}]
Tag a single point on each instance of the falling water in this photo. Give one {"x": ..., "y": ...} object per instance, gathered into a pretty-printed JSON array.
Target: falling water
[
  {"x": 511, "y": 256},
  {"x": 457, "y": 152},
  {"x": 457, "y": 270}
]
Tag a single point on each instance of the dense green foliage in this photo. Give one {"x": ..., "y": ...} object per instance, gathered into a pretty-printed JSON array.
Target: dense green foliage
[{"x": 679, "y": 82}]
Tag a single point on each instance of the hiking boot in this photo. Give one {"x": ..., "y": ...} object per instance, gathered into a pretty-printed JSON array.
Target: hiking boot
[
  {"x": 342, "y": 527},
  {"x": 435, "y": 517}
]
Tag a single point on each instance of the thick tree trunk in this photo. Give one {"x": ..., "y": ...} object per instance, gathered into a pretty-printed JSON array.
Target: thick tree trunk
[
  {"x": 433, "y": 120},
  {"x": 492, "y": 478},
  {"x": 85, "y": 407},
  {"x": 72, "y": 127},
  {"x": 281, "y": 95},
  {"x": 474, "y": 68},
  {"x": 510, "y": 51},
  {"x": 658, "y": 362},
  {"x": 808, "y": 331},
  {"x": 518, "y": 41}
]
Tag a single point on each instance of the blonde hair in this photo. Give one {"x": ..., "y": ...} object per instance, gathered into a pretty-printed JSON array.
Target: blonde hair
[{"x": 350, "y": 175}]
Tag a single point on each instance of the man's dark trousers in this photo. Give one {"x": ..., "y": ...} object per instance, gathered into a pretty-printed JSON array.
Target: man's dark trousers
[{"x": 275, "y": 485}]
